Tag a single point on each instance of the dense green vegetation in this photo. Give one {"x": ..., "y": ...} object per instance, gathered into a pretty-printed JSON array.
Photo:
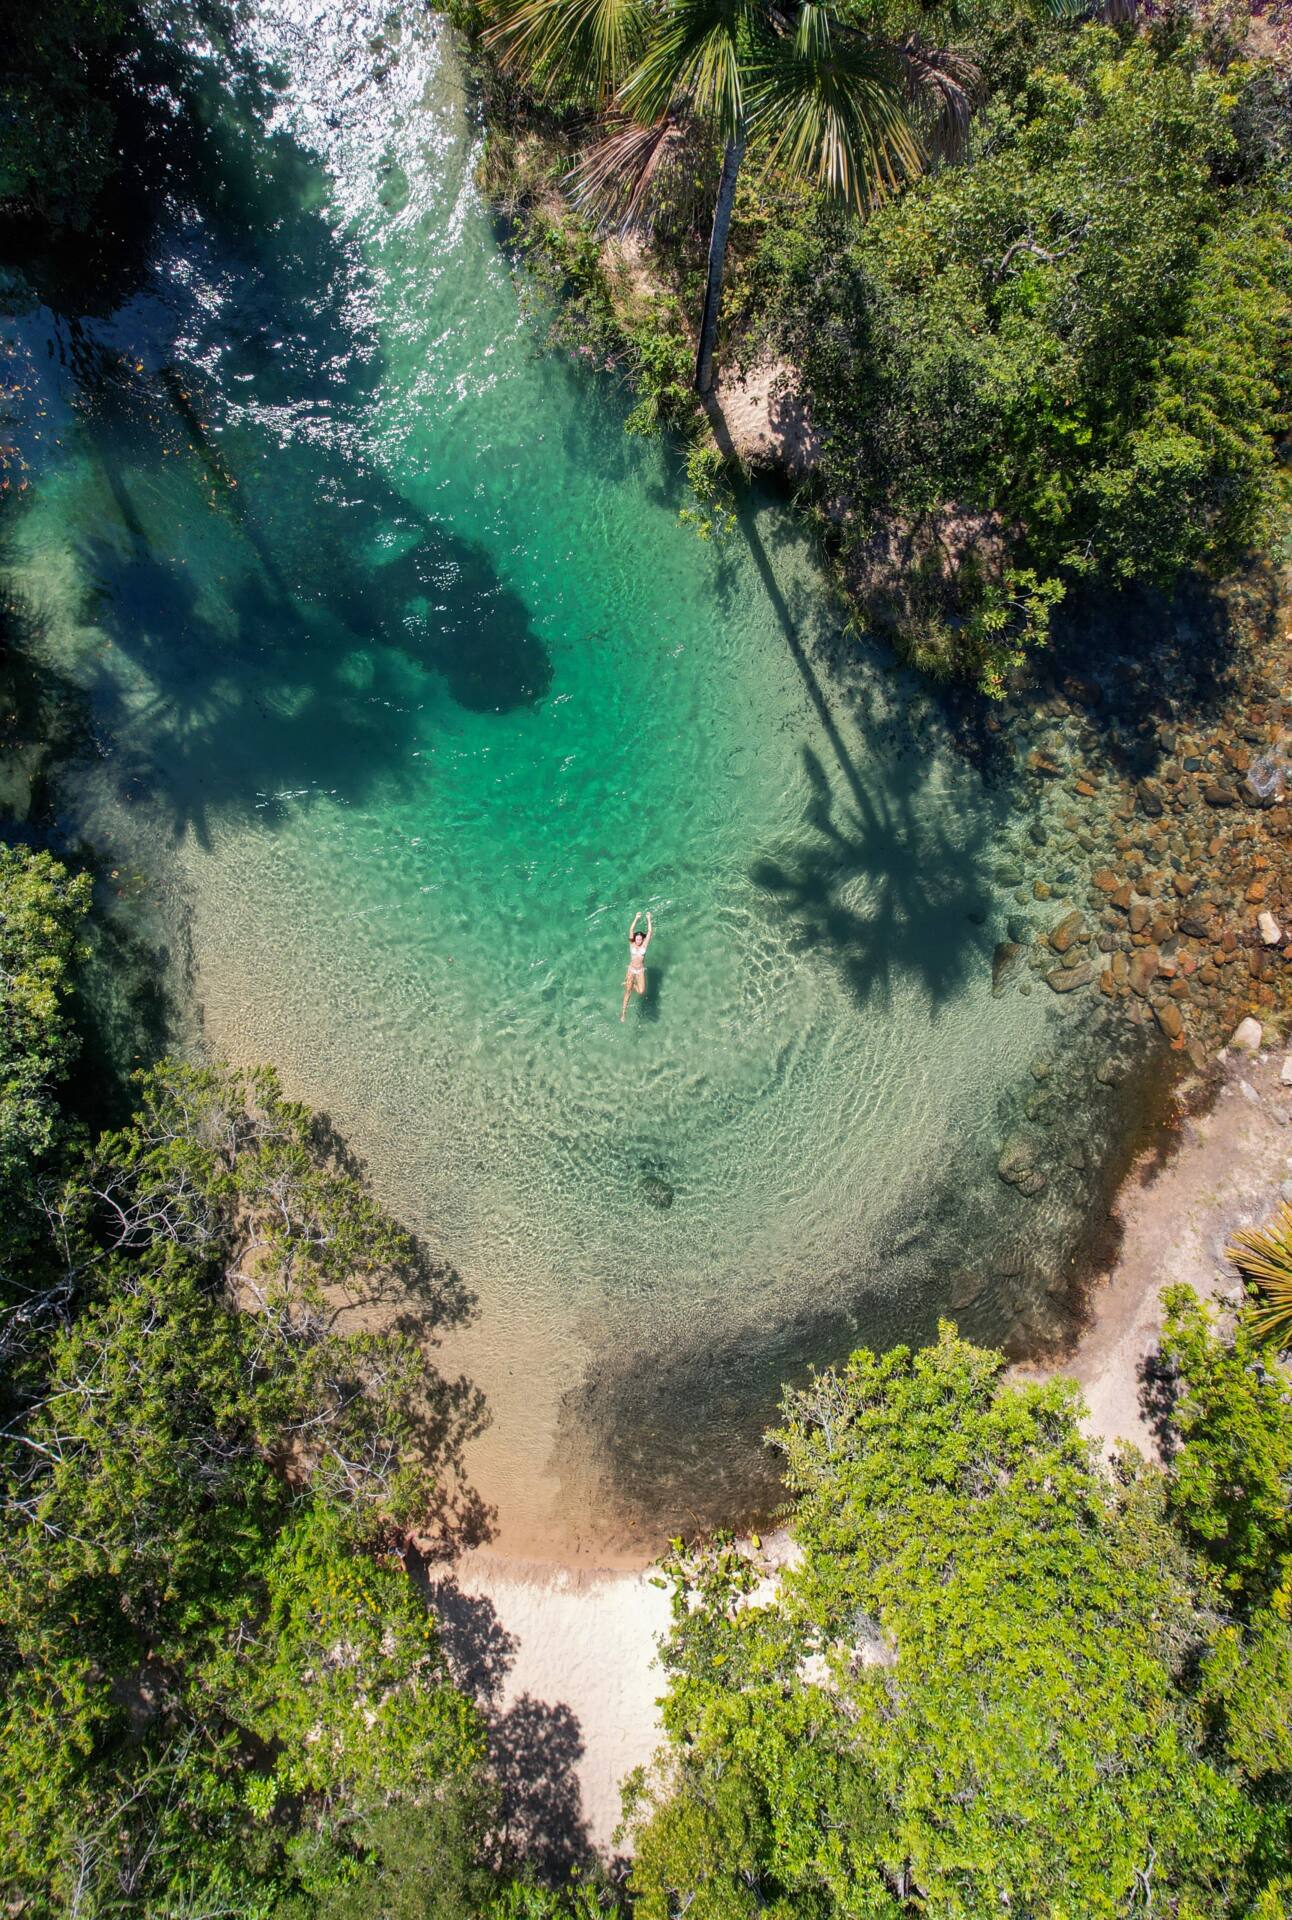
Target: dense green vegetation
[
  {"x": 1264, "y": 1256},
  {"x": 222, "y": 1691},
  {"x": 1061, "y": 358},
  {"x": 999, "y": 1677},
  {"x": 824, "y": 94},
  {"x": 1065, "y": 360}
]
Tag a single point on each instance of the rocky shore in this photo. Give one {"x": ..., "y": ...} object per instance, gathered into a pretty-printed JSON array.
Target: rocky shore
[{"x": 1156, "y": 862}]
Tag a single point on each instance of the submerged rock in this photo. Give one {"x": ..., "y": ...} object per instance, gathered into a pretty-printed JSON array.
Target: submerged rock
[
  {"x": 1067, "y": 979},
  {"x": 1170, "y": 1019},
  {"x": 965, "y": 1290},
  {"x": 1266, "y": 777},
  {"x": 1143, "y": 969},
  {"x": 1070, "y": 931},
  {"x": 1018, "y": 1169},
  {"x": 657, "y": 1191},
  {"x": 1007, "y": 952}
]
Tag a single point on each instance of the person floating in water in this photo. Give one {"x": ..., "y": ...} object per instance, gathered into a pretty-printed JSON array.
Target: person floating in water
[{"x": 637, "y": 945}]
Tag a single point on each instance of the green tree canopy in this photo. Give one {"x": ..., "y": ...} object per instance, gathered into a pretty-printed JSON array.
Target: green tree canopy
[
  {"x": 42, "y": 908},
  {"x": 1231, "y": 1482},
  {"x": 833, "y": 94},
  {"x": 964, "y": 1696},
  {"x": 1068, "y": 354},
  {"x": 216, "y": 1669},
  {"x": 56, "y": 115}
]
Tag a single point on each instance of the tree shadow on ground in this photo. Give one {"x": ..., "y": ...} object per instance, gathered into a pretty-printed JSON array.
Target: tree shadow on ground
[
  {"x": 1159, "y": 1389},
  {"x": 534, "y": 1746}
]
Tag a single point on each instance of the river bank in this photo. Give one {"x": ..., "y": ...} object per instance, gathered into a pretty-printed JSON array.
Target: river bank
[{"x": 575, "y": 1649}]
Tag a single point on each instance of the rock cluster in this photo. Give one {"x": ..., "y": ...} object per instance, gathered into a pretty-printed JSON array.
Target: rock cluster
[{"x": 1164, "y": 884}]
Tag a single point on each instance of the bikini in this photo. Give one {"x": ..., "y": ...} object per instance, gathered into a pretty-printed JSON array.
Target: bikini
[{"x": 636, "y": 960}]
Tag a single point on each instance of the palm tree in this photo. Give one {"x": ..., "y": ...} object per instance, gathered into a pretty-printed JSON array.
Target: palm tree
[
  {"x": 1264, "y": 1254},
  {"x": 817, "y": 93}
]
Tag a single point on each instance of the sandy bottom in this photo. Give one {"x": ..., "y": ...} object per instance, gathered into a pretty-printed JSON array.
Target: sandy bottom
[{"x": 565, "y": 1662}]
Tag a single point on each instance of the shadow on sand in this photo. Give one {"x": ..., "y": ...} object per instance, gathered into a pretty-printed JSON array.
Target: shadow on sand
[{"x": 535, "y": 1747}]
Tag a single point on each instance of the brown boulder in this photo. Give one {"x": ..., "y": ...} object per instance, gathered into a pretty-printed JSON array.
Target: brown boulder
[
  {"x": 1143, "y": 970},
  {"x": 1070, "y": 931},
  {"x": 1170, "y": 1019},
  {"x": 1065, "y": 979}
]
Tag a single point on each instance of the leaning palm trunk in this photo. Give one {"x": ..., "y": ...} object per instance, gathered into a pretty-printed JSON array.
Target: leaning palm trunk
[
  {"x": 726, "y": 200},
  {"x": 827, "y": 99}
]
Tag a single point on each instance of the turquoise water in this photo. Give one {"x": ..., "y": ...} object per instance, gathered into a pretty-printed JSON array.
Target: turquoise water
[{"x": 408, "y": 689}]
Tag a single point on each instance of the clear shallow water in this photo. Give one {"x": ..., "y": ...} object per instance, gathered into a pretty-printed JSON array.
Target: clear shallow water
[{"x": 408, "y": 689}]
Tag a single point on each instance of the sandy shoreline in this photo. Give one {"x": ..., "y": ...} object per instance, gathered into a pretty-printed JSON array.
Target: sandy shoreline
[
  {"x": 567, "y": 1658},
  {"x": 1177, "y": 1218}
]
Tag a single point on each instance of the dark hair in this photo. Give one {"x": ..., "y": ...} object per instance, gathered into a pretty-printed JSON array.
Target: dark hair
[{"x": 637, "y": 934}]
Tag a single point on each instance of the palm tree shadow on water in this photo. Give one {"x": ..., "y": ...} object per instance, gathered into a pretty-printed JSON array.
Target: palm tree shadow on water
[
  {"x": 888, "y": 881},
  {"x": 276, "y": 646}
]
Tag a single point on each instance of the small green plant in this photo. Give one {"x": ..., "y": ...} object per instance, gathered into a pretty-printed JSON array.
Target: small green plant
[
  {"x": 661, "y": 374},
  {"x": 714, "y": 514},
  {"x": 1263, "y": 1255},
  {"x": 1012, "y": 616}
]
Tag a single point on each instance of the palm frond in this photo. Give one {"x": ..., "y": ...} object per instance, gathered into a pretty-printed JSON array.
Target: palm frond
[
  {"x": 1112, "y": 12},
  {"x": 836, "y": 108},
  {"x": 586, "y": 45},
  {"x": 699, "y": 50},
  {"x": 617, "y": 179},
  {"x": 941, "y": 85},
  {"x": 1264, "y": 1255}
]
